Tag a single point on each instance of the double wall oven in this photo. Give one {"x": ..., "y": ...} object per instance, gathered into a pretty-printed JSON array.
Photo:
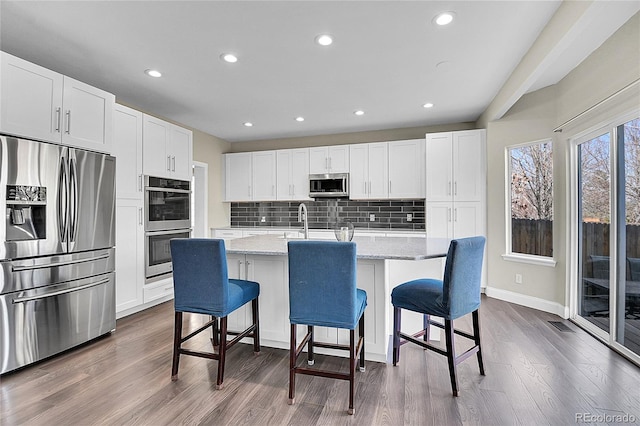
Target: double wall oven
[{"x": 167, "y": 216}]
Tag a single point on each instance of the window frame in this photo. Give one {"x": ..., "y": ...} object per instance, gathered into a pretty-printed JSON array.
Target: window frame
[{"x": 510, "y": 255}]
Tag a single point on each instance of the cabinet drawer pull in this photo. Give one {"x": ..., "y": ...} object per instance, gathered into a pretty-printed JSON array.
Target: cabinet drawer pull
[
  {"x": 58, "y": 117},
  {"x": 68, "y": 130}
]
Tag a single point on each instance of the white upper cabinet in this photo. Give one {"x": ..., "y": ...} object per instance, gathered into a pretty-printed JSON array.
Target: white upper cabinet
[
  {"x": 263, "y": 179},
  {"x": 439, "y": 157},
  {"x": 250, "y": 176},
  {"x": 41, "y": 104},
  {"x": 406, "y": 169},
  {"x": 455, "y": 166},
  {"x": 292, "y": 174},
  {"x": 127, "y": 148},
  {"x": 387, "y": 170},
  {"x": 368, "y": 171},
  {"x": 468, "y": 165},
  {"x": 238, "y": 176},
  {"x": 167, "y": 149},
  {"x": 329, "y": 159}
]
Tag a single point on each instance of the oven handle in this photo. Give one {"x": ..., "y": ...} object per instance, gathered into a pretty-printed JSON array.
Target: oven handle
[
  {"x": 174, "y": 231},
  {"x": 59, "y": 292},
  {"x": 179, "y": 191},
  {"x": 53, "y": 265}
]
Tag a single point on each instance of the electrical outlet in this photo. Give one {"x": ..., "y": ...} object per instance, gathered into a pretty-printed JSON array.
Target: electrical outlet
[
  {"x": 409, "y": 217},
  {"x": 518, "y": 278},
  {"x": 372, "y": 217},
  {"x": 263, "y": 219}
]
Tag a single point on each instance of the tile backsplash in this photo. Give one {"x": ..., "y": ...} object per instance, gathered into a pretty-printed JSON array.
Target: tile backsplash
[{"x": 386, "y": 214}]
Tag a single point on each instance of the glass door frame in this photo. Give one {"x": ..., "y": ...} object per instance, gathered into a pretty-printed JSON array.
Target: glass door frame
[{"x": 616, "y": 243}]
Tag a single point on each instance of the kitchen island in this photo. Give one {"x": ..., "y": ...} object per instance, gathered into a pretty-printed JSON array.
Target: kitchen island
[{"x": 383, "y": 263}]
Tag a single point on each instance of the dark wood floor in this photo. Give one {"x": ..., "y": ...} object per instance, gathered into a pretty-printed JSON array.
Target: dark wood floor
[{"x": 536, "y": 375}]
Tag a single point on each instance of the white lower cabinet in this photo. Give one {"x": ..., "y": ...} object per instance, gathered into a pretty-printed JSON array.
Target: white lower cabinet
[
  {"x": 455, "y": 220},
  {"x": 129, "y": 254},
  {"x": 160, "y": 289},
  {"x": 272, "y": 273}
]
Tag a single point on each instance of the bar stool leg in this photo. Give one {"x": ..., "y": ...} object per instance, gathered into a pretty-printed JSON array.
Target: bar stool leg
[
  {"x": 396, "y": 335},
  {"x": 292, "y": 366},
  {"x": 177, "y": 337},
  {"x": 222, "y": 351}
]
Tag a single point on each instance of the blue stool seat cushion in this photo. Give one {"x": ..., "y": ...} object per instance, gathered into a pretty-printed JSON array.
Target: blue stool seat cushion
[
  {"x": 241, "y": 292},
  {"x": 423, "y": 295}
]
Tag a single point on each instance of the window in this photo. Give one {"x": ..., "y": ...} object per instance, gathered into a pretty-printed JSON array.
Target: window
[{"x": 531, "y": 199}]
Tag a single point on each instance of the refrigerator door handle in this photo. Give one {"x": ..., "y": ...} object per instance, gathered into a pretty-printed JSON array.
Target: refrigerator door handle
[
  {"x": 73, "y": 200},
  {"x": 62, "y": 199},
  {"x": 59, "y": 292},
  {"x": 57, "y": 264}
]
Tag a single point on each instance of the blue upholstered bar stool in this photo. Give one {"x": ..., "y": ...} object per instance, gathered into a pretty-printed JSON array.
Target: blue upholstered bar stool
[
  {"x": 457, "y": 295},
  {"x": 201, "y": 286},
  {"x": 322, "y": 292}
]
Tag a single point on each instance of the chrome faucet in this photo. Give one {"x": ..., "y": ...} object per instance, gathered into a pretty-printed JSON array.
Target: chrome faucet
[{"x": 302, "y": 217}]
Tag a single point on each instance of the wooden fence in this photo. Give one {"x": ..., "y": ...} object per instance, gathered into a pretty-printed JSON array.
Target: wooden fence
[
  {"x": 532, "y": 237},
  {"x": 535, "y": 237}
]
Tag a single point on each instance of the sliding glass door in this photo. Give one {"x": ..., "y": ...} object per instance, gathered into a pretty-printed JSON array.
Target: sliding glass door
[
  {"x": 607, "y": 177},
  {"x": 594, "y": 219},
  {"x": 628, "y": 295}
]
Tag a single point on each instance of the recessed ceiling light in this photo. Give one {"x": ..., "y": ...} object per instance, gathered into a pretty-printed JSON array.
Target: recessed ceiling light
[
  {"x": 359, "y": 112},
  {"x": 153, "y": 73},
  {"x": 428, "y": 105},
  {"x": 248, "y": 124},
  {"x": 229, "y": 57},
  {"x": 324, "y": 40},
  {"x": 444, "y": 18},
  {"x": 299, "y": 118}
]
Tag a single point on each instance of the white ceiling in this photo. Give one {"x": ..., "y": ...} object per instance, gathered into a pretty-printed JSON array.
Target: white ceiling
[{"x": 388, "y": 58}]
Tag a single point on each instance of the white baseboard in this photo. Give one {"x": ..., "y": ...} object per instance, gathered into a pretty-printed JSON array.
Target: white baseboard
[{"x": 528, "y": 301}]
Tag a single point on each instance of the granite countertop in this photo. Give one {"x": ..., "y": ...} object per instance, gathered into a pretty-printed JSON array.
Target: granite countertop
[{"x": 399, "y": 248}]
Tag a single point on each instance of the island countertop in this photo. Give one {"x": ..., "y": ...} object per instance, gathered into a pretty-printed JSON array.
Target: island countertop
[{"x": 399, "y": 248}]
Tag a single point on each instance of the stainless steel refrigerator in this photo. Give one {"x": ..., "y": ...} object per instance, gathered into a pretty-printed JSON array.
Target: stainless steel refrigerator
[{"x": 57, "y": 279}]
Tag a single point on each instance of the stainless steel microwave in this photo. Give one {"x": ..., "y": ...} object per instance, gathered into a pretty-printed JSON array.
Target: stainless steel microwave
[{"x": 332, "y": 185}]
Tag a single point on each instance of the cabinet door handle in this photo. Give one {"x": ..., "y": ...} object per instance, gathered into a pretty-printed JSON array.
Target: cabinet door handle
[
  {"x": 449, "y": 214},
  {"x": 365, "y": 186},
  {"x": 240, "y": 276},
  {"x": 140, "y": 183},
  {"x": 273, "y": 190},
  {"x": 455, "y": 188},
  {"x": 326, "y": 163},
  {"x": 58, "y": 117},
  {"x": 68, "y": 114},
  {"x": 449, "y": 188},
  {"x": 330, "y": 165},
  {"x": 173, "y": 162},
  {"x": 455, "y": 215},
  {"x": 168, "y": 163},
  {"x": 140, "y": 215}
]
